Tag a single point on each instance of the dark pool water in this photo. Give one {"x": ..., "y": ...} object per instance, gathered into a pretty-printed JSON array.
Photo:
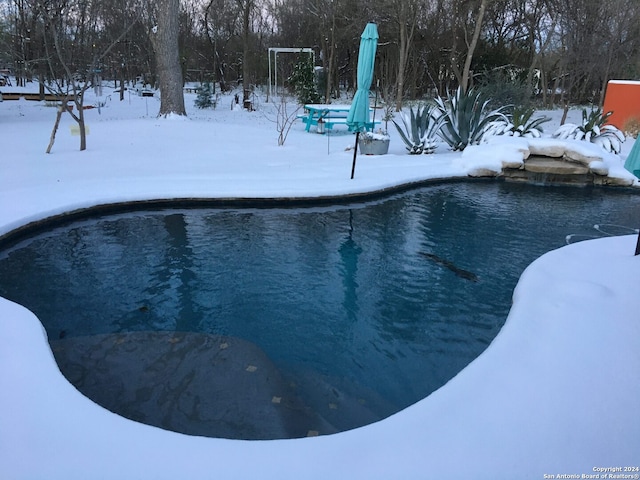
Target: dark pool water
[{"x": 378, "y": 304}]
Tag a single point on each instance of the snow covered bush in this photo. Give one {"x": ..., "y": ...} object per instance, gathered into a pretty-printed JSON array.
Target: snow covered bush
[
  {"x": 519, "y": 124},
  {"x": 594, "y": 130},
  {"x": 465, "y": 118},
  {"x": 420, "y": 129}
]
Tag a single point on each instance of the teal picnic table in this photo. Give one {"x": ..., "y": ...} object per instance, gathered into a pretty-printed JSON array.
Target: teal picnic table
[{"x": 330, "y": 114}]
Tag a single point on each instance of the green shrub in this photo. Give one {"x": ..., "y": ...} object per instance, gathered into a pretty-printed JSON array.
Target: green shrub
[
  {"x": 502, "y": 87},
  {"x": 303, "y": 81},
  {"x": 205, "y": 96}
]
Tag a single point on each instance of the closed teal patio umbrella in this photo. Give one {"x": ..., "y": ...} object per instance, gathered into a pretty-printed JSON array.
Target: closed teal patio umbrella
[
  {"x": 633, "y": 160},
  {"x": 633, "y": 165},
  {"x": 359, "y": 112}
]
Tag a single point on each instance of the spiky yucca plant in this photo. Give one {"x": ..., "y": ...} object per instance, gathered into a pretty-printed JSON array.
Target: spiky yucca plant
[
  {"x": 519, "y": 124},
  {"x": 594, "y": 130},
  {"x": 420, "y": 129},
  {"x": 466, "y": 118}
]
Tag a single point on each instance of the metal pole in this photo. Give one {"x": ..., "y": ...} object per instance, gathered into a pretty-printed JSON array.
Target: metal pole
[
  {"x": 269, "y": 95},
  {"x": 638, "y": 244},
  {"x": 328, "y": 134},
  {"x": 355, "y": 152},
  {"x": 375, "y": 104}
]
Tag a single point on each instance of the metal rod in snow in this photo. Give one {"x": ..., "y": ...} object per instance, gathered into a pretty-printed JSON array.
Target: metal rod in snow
[
  {"x": 355, "y": 152},
  {"x": 375, "y": 104}
]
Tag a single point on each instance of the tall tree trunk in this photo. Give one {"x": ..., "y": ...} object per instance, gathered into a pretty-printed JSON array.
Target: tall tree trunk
[
  {"x": 544, "y": 85},
  {"x": 537, "y": 57},
  {"x": 218, "y": 66},
  {"x": 406, "y": 36},
  {"x": 164, "y": 38},
  {"x": 605, "y": 78},
  {"x": 246, "y": 47},
  {"x": 472, "y": 46},
  {"x": 81, "y": 123},
  {"x": 41, "y": 90},
  {"x": 331, "y": 61},
  {"x": 122, "y": 82},
  {"x": 453, "y": 54}
]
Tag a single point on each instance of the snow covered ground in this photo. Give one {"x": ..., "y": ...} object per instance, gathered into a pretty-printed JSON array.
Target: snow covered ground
[{"x": 556, "y": 393}]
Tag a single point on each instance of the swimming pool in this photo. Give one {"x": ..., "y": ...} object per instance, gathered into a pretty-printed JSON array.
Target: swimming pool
[{"x": 353, "y": 311}]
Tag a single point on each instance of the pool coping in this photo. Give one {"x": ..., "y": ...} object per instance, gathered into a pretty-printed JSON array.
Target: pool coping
[{"x": 15, "y": 234}]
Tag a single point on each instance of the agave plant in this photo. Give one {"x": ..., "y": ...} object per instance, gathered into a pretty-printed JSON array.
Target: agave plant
[
  {"x": 420, "y": 129},
  {"x": 466, "y": 118},
  {"x": 594, "y": 130},
  {"x": 519, "y": 124}
]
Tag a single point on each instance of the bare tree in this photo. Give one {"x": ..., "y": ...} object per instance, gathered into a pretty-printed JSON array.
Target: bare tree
[
  {"x": 285, "y": 117},
  {"x": 74, "y": 53},
  {"x": 404, "y": 15},
  {"x": 576, "y": 45},
  {"x": 471, "y": 46},
  {"x": 24, "y": 41},
  {"x": 620, "y": 32},
  {"x": 541, "y": 22},
  {"x": 219, "y": 31},
  {"x": 321, "y": 21}
]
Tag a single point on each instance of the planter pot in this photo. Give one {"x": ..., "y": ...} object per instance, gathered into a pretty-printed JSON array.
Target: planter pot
[{"x": 374, "y": 146}]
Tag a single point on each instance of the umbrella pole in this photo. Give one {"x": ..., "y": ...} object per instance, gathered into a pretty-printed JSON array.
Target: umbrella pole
[
  {"x": 375, "y": 104},
  {"x": 328, "y": 131},
  {"x": 355, "y": 152}
]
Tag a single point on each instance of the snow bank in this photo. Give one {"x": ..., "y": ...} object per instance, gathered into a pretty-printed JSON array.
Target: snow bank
[{"x": 555, "y": 392}]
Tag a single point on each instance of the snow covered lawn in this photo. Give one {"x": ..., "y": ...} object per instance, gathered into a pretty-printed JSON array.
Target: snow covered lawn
[{"x": 557, "y": 392}]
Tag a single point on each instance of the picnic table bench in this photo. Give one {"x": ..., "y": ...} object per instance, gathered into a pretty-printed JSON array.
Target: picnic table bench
[{"x": 328, "y": 114}]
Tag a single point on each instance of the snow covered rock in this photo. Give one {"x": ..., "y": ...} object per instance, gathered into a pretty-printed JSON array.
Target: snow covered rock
[
  {"x": 582, "y": 152},
  {"x": 547, "y": 147},
  {"x": 599, "y": 167},
  {"x": 616, "y": 173},
  {"x": 517, "y": 143},
  {"x": 488, "y": 160}
]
